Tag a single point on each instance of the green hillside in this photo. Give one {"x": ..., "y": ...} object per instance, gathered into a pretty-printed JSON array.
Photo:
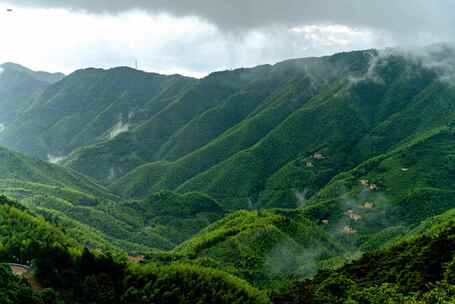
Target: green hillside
[
  {"x": 281, "y": 136},
  {"x": 208, "y": 118},
  {"x": 417, "y": 176},
  {"x": 267, "y": 157},
  {"x": 236, "y": 135},
  {"x": 317, "y": 180},
  {"x": 89, "y": 106},
  {"x": 98, "y": 218},
  {"x": 294, "y": 84},
  {"x": 62, "y": 195},
  {"x": 265, "y": 248},
  {"x": 63, "y": 272},
  {"x": 19, "y": 87},
  {"x": 21, "y": 232},
  {"x": 16, "y": 167},
  {"x": 417, "y": 270},
  {"x": 22, "y": 236}
]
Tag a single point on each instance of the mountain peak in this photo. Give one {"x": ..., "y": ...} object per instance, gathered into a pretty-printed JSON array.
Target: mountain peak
[{"x": 38, "y": 75}]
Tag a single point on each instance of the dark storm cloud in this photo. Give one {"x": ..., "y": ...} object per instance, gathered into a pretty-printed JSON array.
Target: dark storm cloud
[{"x": 401, "y": 17}]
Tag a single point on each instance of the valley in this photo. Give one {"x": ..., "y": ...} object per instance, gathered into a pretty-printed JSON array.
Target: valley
[{"x": 312, "y": 180}]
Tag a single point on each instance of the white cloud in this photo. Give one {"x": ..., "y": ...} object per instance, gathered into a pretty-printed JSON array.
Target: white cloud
[
  {"x": 61, "y": 40},
  {"x": 403, "y": 17},
  {"x": 58, "y": 39}
]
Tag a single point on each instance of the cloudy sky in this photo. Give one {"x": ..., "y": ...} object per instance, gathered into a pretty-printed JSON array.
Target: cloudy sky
[{"x": 200, "y": 36}]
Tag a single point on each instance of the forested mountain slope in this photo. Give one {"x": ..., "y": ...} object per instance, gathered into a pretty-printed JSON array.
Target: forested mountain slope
[
  {"x": 88, "y": 106},
  {"x": 242, "y": 135},
  {"x": 215, "y": 126},
  {"x": 98, "y": 218},
  {"x": 252, "y": 177},
  {"x": 276, "y": 136},
  {"x": 265, "y": 248},
  {"x": 378, "y": 102},
  {"x": 419, "y": 269},
  {"x": 16, "y": 168},
  {"x": 64, "y": 272},
  {"x": 18, "y": 88}
]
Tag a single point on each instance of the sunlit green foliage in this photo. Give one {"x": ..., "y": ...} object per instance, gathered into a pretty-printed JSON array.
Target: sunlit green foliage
[
  {"x": 22, "y": 233},
  {"x": 360, "y": 151},
  {"x": 265, "y": 248},
  {"x": 415, "y": 271}
]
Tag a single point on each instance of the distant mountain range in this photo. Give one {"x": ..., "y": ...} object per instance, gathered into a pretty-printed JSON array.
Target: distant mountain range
[
  {"x": 18, "y": 87},
  {"x": 269, "y": 173}
]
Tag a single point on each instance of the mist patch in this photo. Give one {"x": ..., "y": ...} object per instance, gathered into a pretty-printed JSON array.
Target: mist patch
[
  {"x": 118, "y": 129},
  {"x": 53, "y": 159}
]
